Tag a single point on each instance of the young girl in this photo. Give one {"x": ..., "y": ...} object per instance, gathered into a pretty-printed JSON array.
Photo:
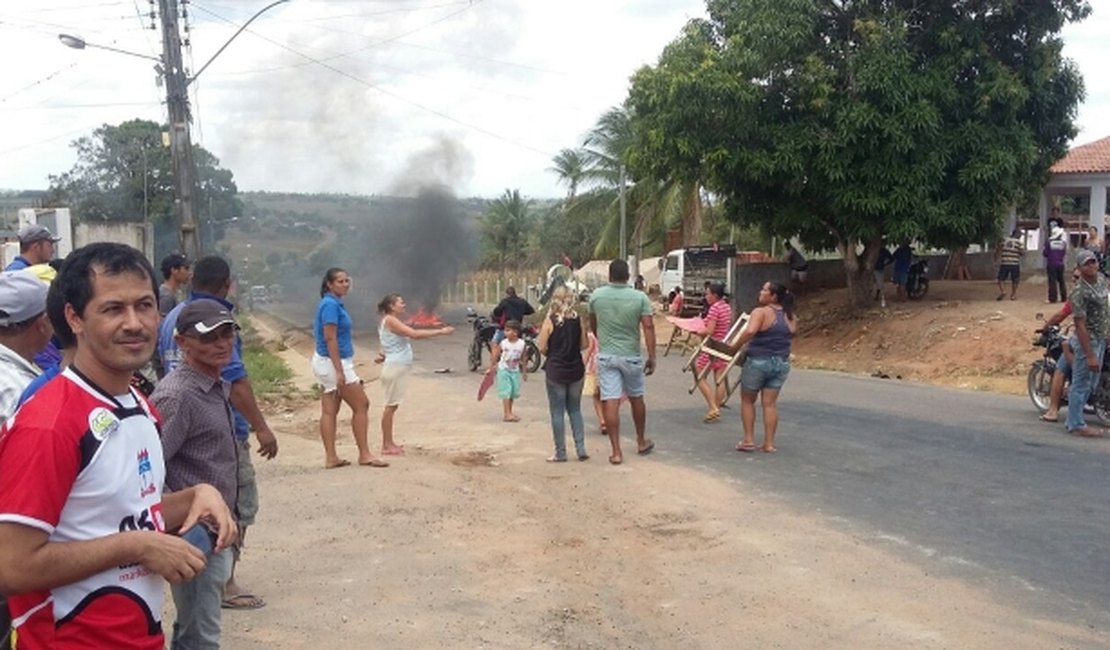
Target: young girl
[
  {"x": 507, "y": 360},
  {"x": 589, "y": 383}
]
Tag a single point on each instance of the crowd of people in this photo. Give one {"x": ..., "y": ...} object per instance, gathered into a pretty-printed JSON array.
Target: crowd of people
[{"x": 97, "y": 464}]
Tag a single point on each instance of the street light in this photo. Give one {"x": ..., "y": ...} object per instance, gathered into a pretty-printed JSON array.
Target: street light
[{"x": 177, "y": 103}]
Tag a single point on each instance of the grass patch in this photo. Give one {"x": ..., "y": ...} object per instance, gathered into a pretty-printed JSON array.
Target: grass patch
[{"x": 268, "y": 372}]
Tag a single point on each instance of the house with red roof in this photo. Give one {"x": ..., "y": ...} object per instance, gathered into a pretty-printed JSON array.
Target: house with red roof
[{"x": 1083, "y": 172}]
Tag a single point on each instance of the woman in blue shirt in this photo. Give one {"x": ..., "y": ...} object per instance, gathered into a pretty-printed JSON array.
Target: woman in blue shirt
[{"x": 333, "y": 364}]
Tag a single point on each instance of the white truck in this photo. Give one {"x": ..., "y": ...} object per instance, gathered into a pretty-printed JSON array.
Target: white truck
[{"x": 690, "y": 268}]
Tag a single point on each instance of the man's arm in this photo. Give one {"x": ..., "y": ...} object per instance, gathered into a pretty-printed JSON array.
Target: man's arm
[
  {"x": 182, "y": 509},
  {"x": 647, "y": 323},
  {"x": 30, "y": 562},
  {"x": 242, "y": 398}
]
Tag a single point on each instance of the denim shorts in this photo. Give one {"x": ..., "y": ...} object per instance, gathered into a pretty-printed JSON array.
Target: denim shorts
[
  {"x": 617, "y": 375},
  {"x": 759, "y": 373}
]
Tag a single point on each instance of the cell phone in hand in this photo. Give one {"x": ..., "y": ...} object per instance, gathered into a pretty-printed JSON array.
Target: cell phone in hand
[{"x": 202, "y": 537}]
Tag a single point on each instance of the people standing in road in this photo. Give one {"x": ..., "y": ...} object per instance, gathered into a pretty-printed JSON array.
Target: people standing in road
[
  {"x": 618, "y": 313},
  {"x": 717, "y": 324},
  {"x": 395, "y": 356},
  {"x": 903, "y": 259},
  {"x": 768, "y": 336},
  {"x": 36, "y": 246},
  {"x": 333, "y": 363},
  {"x": 199, "y": 446},
  {"x": 1055, "y": 253},
  {"x": 83, "y": 518},
  {"x": 562, "y": 340},
  {"x": 212, "y": 280},
  {"x": 509, "y": 364},
  {"x": 1009, "y": 263},
  {"x": 176, "y": 272},
  {"x": 1092, "y": 324}
]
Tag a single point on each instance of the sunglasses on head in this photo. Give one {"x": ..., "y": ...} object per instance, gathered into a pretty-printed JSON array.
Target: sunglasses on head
[
  {"x": 1090, "y": 261},
  {"x": 223, "y": 332}
]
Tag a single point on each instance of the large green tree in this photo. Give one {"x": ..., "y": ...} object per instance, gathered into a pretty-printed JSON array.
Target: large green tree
[
  {"x": 505, "y": 228},
  {"x": 846, "y": 121},
  {"x": 124, "y": 173}
]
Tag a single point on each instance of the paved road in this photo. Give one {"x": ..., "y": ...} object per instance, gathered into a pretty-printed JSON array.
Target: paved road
[{"x": 967, "y": 484}]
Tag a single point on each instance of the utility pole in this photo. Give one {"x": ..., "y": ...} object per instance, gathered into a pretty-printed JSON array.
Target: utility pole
[
  {"x": 181, "y": 146},
  {"x": 624, "y": 218}
]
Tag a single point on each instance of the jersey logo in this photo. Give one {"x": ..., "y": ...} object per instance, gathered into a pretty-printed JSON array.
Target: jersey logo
[
  {"x": 146, "y": 475},
  {"x": 102, "y": 423}
]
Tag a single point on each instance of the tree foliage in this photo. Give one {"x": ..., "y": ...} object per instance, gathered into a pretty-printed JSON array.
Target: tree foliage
[
  {"x": 846, "y": 121},
  {"x": 506, "y": 226},
  {"x": 107, "y": 182}
]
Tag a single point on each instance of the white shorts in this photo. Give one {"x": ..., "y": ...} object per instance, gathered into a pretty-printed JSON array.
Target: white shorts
[
  {"x": 395, "y": 381},
  {"x": 324, "y": 371}
]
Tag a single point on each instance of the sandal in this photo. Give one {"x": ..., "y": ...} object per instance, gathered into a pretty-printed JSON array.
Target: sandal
[
  {"x": 712, "y": 417},
  {"x": 746, "y": 447}
]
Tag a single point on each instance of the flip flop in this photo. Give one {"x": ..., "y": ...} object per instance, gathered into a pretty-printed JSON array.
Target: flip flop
[
  {"x": 1088, "y": 432},
  {"x": 1045, "y": 418},
  {"x": 615, "y": 460},
  {"x": 584, "y": 457},
  {"x": 712, "y": 417},
  {"x": 341, "y": 463},
  {"x": 242, "y": 601},
  {"x": 399, "y": 451},
  {"x": 376, "y": 462},
  {"x": 769, "y": 450},
  {"x": 746, "y": 448},
  {"x": 556, "y": 459},
  {"x": 648, "y": 449}
]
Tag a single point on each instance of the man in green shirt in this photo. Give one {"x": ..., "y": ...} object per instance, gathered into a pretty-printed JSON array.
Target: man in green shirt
[
  {"x": 617, "y": 315},
  {"x": 1092, "y": 324}
]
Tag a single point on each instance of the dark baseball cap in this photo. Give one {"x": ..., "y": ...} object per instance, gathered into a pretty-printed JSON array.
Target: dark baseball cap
[{"x": 202, "y": 316}]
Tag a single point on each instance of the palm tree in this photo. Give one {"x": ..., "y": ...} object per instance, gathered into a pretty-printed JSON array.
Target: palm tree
[
  {"x": 505, "y": 227},
  {"x": 570, "y": 165}
]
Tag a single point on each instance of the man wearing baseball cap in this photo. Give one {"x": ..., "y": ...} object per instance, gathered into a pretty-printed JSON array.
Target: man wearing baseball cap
[
  {"x": 24, "y": 331},
  {"x": 199, "y": 446},
  {"x": 36, "y": 246},
  {"x": 1091, "y": 315}
]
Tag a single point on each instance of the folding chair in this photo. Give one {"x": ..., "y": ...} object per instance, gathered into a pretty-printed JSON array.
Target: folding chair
[
  {"x": 719, "y": 350},
  {"x": 691, "y": 307}
]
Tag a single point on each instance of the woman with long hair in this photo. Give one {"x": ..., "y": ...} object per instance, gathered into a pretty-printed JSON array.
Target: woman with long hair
[
  {"x": 333, "y": 365},
  {"x": 562, "y": 340},
  {"x": 768, "y": 336},
  {"x": 396, "y": 359},
  {"x": 717, "y": 323}
]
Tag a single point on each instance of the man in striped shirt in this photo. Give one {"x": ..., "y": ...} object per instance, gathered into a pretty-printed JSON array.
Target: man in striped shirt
[{"x": 1009, "y": 264}]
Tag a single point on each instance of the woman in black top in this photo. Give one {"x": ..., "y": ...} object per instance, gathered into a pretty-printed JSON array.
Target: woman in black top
[{"x": 562, "y": 339}]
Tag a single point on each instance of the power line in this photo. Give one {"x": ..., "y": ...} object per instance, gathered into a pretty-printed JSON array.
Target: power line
[{"x": 322, "y": 63}]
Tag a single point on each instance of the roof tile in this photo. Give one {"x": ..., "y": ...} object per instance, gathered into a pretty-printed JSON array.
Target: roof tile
[{"x": 1090, "y": 158}]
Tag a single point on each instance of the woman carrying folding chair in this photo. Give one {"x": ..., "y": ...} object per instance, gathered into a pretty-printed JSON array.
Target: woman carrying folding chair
[{"x": 718, "y": 321}]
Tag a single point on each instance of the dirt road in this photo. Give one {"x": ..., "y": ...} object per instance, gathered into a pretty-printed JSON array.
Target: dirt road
[{"x": 472, "y": 541}]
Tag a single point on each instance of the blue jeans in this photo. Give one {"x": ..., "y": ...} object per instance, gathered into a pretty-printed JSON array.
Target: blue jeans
[
  {"x": 1082, "y": 382},
  {"x": 566, "y": 399},
  {"x": 198, "y": 605}
]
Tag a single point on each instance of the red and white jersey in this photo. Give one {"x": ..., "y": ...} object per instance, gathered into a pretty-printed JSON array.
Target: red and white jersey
[{"x": 80, "y": 464}]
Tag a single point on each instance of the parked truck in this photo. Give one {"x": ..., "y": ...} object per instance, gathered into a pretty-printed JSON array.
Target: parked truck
[{"x": 690, "y": 268}]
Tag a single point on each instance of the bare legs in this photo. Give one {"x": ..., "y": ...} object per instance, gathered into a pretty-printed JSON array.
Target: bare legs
[
  {"x": 388, "y": 445},
  {"x": 613, "y": 426},
  {"x": 329, "y": 409},
  {"x": 769, "y": 398},
  {"x": 714, "y": 396},
  {"x": 355, "y": 397},
  {"x": 599, "y": 409}
]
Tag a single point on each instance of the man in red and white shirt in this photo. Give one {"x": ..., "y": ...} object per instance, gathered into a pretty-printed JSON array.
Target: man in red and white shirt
[{"x": 82, "y": 515}]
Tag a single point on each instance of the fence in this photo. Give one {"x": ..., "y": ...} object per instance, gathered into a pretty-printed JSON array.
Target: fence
[{"x": 486, "y": 292}]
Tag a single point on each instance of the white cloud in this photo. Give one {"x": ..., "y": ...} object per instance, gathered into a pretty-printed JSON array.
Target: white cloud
[{"x": 512, "y": 82}]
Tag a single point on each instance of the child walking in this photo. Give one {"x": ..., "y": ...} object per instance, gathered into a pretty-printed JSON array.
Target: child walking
[
  {"x": 589, "y": 383},
  {"x": 507, "y": 357}
]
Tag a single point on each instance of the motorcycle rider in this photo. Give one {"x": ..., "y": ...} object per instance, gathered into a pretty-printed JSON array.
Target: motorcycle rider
[
  {"x": 1092, "y": 324},
  {"x": 511, "y": 307}
]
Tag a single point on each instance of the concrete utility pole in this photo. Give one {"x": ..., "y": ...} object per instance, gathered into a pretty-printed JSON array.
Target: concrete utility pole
[
  {"x": 624, "y": 219},
  {"x": 181, "y": 146}
]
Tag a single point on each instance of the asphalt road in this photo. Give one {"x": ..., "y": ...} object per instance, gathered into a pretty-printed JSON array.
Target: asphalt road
[{"x": 970, "y": 485}]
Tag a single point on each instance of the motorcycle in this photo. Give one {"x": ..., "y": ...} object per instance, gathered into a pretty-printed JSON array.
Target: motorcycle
[
  {"x": 1040, "y": 376},
  {"x": 482, "y": 343},
  {"x": 917, "y": 282}
]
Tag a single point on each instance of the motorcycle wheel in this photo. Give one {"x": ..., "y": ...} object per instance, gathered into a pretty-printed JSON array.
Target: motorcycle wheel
[
  {"x": 1040, "y": 383},
  {"x": 474, "y": 355},
  {"x": 918, "y": 291},
  {"x": 532, "y": 353}
]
